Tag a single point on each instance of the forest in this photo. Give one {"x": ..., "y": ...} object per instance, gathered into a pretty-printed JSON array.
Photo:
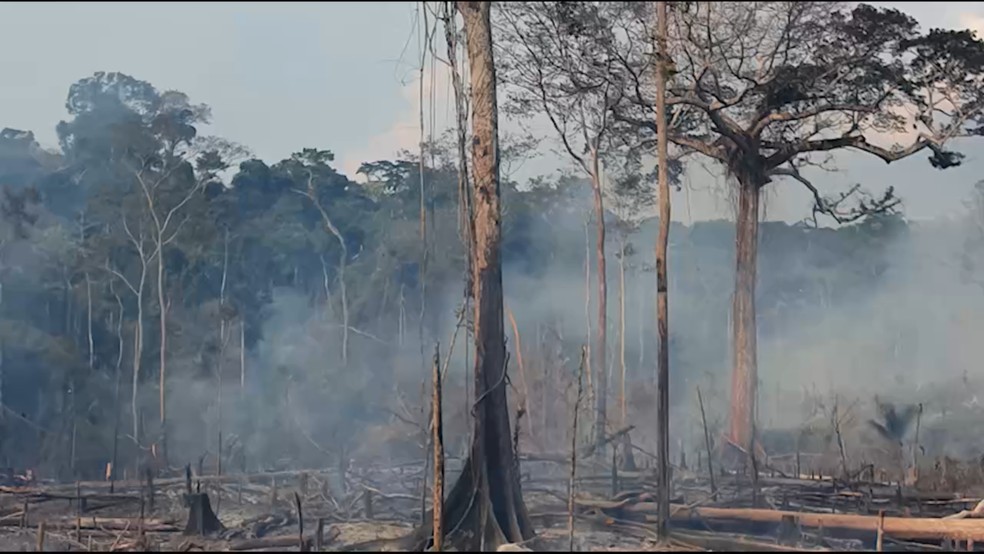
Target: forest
[{"x": 168, "y": 300}]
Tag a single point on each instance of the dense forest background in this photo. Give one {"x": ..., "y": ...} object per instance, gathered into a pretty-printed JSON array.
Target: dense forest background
[{"x": 293, "y": 318}]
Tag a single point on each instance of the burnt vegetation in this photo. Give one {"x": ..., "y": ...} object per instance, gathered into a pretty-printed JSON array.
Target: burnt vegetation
[{"x": 201, "y": 349}]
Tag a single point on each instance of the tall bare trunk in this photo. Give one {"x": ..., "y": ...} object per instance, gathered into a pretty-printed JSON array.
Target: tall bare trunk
[
  {"x": 628, "y": 459},
  {"x": 662, "y": 310},
  {"x": 116, "y": 392},
  {"x": 623, "y": 412},
  {"x": 589, "y": 336},
  {"x": 163, "y": 350},
  {"x": 342, "y": 261},
  {"x": 88, "y": 313},
  {"x": 489, "y": 482},
  {"x": 745, "y": 371},
  {"x": 641, "y": 319},
  {"x": 437, "y": 440},
  {"x": 464, "y": 199},
  {"x": 600, "y": 350},
  {"x": 138, "y": 354},
  {"x": 421, "y": 169},
  {"x": 465, "y": 221},
  {"x": 242, "y": 353},
  {"x": 223, "y": 343}
]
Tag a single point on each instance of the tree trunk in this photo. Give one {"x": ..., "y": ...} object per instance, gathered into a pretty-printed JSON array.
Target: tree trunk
[
  {"x": 621, "y": 333},
  {"x": 600, "y": 351},
  {"x": 342, "y": 261},
  {"x": 88, "y": 313},
  {"x": 421, "y": 170},
  {"x": 163, "y": 350},
  {"x": 137, "y": 355},
  {"x": 589, "y": 336},
  {"x": 745, "y": 370},
  {"x": 242, "y": 354},
  {"x": 489, "y": 482},
  {"x": 437, "y": 440},
  {"x": 223, "y": 343},
  {"x": 628, "y": 459},
  {"x": 662, "y": 309},
  {"x": 116, "y": 392}
]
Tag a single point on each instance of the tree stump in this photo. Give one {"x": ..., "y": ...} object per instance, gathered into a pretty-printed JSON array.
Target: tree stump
[{"x": 201, "y": 519}]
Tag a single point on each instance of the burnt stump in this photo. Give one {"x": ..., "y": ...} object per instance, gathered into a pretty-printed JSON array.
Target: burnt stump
[{"x": 202, "y": 521}]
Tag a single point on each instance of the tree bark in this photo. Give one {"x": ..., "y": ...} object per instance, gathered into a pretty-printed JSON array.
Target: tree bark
[
  {"x": 662, "y": 310},
  {"x": 745, "y": 370},
  {"x": 489, "y": 483},
  {"x": 600, "y": 351}
]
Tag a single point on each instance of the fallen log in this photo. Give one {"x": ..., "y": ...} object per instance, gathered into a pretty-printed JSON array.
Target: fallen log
[
  {"x": 170, "y": 481},
  {"x": 100, "y": 523},
  {"x": 896, "y": 527},
  {"x": 269, "y": 542},
  {"x": 723, "y": 542},
  {"x": 977, "y": 512}
]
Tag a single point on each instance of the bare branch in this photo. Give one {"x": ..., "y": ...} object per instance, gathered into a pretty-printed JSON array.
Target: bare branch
[{"x": 832, "y": 207}]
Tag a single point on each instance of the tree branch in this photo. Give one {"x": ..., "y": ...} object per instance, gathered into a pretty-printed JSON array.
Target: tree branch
[{"x": 831, "y": 207}]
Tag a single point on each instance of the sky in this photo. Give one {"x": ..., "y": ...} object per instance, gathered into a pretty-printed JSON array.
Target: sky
[{"x": 343, "y": 76}]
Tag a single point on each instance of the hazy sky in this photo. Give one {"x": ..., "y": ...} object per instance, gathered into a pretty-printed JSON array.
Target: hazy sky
[{"x": 340, "y": 76}]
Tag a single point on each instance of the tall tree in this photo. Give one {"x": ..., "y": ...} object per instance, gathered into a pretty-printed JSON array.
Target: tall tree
[
  {"x": 486, "y": 501},
  {"x": 662, "y": 285},
  {"x": 765, "y": 87}
]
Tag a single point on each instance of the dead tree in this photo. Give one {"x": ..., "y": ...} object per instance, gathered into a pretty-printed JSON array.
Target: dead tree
[{"x": 553, "y": 70}]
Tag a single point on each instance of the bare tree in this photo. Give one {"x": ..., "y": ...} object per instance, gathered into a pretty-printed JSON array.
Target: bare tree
[
  {"x": 169, "y": 180},
  {"x": 137, "y": 286},
  {"x": 552, "y": 68}
]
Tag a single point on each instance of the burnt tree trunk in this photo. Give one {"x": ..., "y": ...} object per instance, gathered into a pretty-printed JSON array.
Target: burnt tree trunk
[
  {"x": 485, "y": 507},
  {"x": 201, "y": 519},
  {"x": 745, "y": 369}
]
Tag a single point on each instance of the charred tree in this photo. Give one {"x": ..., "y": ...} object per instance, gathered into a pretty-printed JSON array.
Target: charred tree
[{"x": 485, "y": 507}]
